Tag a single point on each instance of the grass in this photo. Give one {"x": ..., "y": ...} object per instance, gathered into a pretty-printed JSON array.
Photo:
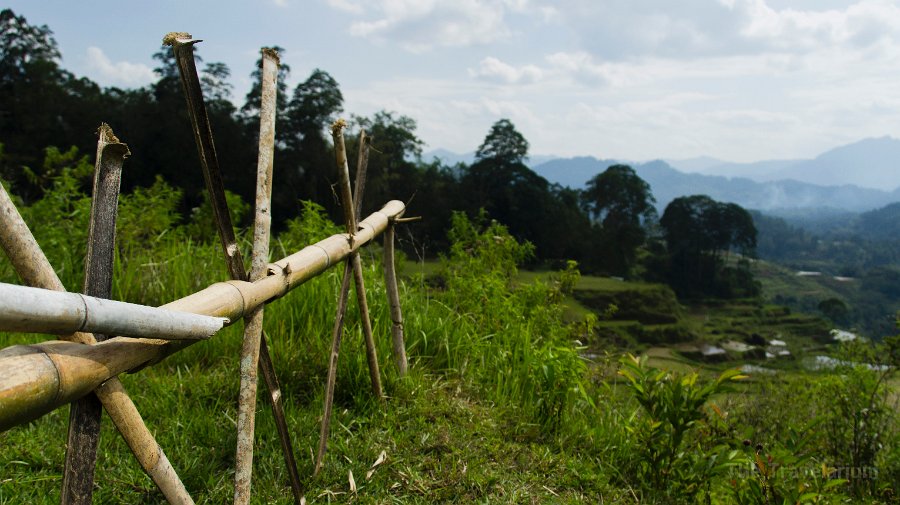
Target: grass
[{"x": 498, "y": 406}]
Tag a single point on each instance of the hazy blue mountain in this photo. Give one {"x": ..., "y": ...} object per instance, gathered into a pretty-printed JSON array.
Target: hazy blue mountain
[
  {"x": 450, "y": 158},
  {"x": 699, "y": 164},
  {"x": 668, "y": 184},
  {"x": 760, "y": 171},
  {"x": 869, "y": 163}
]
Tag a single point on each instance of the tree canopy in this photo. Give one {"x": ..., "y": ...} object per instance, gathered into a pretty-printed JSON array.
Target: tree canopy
[
  {"x": 503, "y": 144},
  {"x": 621, "y": 205}
]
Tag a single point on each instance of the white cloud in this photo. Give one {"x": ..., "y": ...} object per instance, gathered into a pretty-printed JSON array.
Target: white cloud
[
  {"x": 491, "y": 68},
  {"x": 121, "y": 73},
  {"x": 420, "y": 25},
  {"x": 349, "y": 6},
  {"x": 280, "y": 3}
]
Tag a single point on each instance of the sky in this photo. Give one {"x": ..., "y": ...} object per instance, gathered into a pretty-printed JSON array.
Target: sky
[{"x": 738, "y": 80}]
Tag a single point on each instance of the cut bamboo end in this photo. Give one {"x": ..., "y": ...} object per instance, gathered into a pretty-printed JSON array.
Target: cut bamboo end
[
  {"x": 171, "y": 38},
  {"x": 35, "y": 310}
]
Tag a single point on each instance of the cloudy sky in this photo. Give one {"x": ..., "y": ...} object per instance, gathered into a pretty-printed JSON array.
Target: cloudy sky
[{"x": 740, "y": 80}]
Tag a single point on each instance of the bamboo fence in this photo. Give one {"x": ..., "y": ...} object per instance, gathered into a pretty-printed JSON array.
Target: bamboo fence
[{"x": 36, "y": 379}]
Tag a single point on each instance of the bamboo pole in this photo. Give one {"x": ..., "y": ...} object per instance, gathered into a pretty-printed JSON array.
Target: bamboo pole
[
  {"x": 337, "y": 132},
  {"x": 393, "y": 293},
  {"x": 35, "y": 310},
  {"x": 29, "y": 261},
  {"x": 338, "y": 329},
  {"x": 253, "y": 329},
  {"x": 85, "y": 414},
  {"x": 38, "y": 378},
  {"x": 183, "y": 49}
]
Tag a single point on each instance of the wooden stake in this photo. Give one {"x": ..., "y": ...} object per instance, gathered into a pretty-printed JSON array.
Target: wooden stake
[
  {"x": 85, "y": 415},
  {"x": 253, "y": 329},
  {"x": 393, "y": 293},
  {"x": 352, "y": 265},
  {"x": 347, "y": 201},
  {"x": 183, "y": 48},
  {"x": 32, "y": 265}
]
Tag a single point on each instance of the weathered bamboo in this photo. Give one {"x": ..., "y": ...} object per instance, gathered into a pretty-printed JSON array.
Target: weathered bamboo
[
  {"x": 32, "y": 265},
  {"x": 85, "y": 415},
  {"x": 35, "y": 310},
  {"x": 249, "y": 363},
  {"x": 393, "y": 293},
  {"x": 338, "y": 329},
  {"x": 39, "y": 378},
  {"x": 183, "y": 48},
  {"x": 347, "y": 201}
]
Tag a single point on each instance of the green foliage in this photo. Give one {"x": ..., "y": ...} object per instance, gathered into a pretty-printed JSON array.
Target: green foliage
[
  {"x": 671, "y": 461},
  {"x": 61, "y": 217},
  {"x": 202, "y": 224},
  {"x": 503, "y": 144},
  {"x": 508, "y": 340},
  {"x": 858, "y": 416},
  {"x": 622, "y": 205},
  {"x": 698, "y": 231}
]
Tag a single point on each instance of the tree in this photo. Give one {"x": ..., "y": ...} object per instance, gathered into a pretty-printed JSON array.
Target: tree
[
  {"x": 503, "y": 144},
  {"x": 307, "y": 165},
  {"x": 697, "y": 230},
  {"x": 621, "y": 204}
]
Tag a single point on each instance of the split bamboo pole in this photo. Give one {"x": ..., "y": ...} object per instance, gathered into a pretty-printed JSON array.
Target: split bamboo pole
[
  {"x": 85, "y": 414},
  {"x": 36, "y": 310},
  {"x": 249, "y": 363},
  {"x": 183, "y": 49},
  {"x": 38, "y": 378},
  {"x": 393, "y": 293},
  {"x": 347, "y": 202},
  {"x": 338, "y": 329},
  {"x": 29, "y": 261}
]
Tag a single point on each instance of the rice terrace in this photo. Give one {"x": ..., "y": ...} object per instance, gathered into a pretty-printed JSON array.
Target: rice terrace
[{"x": 509, "y": 339}]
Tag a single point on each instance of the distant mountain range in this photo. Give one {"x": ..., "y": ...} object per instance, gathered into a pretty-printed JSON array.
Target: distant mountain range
[
  {"x": 857, "y": 177},
  {"x": 870, "y": 163},
  {"x": 667, "y": 183}
]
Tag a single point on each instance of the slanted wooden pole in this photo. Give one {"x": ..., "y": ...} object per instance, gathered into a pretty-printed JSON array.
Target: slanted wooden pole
[
  {"x": 29, "y": 261},
  {"x": 85, "y": 415},
  {"x": 393, "y": 294},
  {"x": 183, "y": 48},
  {"x": 350, "y": 269},
  {"x": 348, "y": 203}
]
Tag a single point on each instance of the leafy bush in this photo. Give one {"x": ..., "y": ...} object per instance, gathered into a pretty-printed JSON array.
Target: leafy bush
[{"x": 671, "y": 462}]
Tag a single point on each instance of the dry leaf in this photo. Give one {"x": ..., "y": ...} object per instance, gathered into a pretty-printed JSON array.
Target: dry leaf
[
  {"x": 352, "y": 482},
  {"x": 381, "y": 459}
]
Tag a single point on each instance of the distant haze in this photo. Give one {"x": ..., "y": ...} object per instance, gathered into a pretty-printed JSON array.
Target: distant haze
[{"x": 856, "y": 177}]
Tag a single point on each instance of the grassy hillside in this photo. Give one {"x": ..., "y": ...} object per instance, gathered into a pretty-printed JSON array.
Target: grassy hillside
[{"x": 503, "y": 404}]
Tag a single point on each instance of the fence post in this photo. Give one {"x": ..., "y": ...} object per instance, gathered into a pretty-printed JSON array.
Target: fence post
[
  {"x": 85, "y": 414},
  {"x": 393, "y": 293},
  {"x": 250, "y": 351},
  {"x": 338, "y": 329}
]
